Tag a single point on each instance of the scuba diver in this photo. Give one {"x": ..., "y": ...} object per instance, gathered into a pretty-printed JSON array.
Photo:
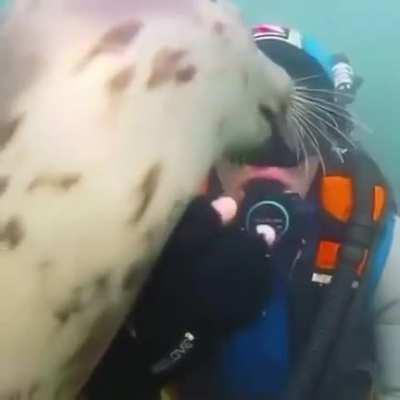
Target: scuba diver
[{"x": 281, "y": 281}]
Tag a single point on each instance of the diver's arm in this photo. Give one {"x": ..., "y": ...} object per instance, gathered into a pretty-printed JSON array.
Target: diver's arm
[{"x": 387, "y": 308}]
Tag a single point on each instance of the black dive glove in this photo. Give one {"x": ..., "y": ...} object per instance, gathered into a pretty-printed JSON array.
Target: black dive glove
[{"x": 209, "y": 281}]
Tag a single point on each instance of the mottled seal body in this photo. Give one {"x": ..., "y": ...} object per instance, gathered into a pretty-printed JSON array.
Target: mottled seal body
[{"x": 111, "y": 114}]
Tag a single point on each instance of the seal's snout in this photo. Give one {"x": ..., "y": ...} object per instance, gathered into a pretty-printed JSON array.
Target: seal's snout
[
  {"x": 285, "y": 100},
  {"x": 284, "y": 95},
  {"x": 276, "y": 113},
  {"x": 276, "y": 95}
]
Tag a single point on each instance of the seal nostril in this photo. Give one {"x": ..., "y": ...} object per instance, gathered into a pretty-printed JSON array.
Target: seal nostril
[
  {"x": 274, "y": 119},
  {"x": 268, "y": 114},
  {"x": 284, "y": 108}
]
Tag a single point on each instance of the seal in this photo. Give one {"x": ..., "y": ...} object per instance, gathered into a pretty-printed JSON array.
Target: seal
[{"x": 111, "y": 114}]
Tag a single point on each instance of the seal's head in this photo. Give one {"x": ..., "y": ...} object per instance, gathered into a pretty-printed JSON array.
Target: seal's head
[
  {"x": 190, "y": 59},
  {"x": 111, "y": 113}
]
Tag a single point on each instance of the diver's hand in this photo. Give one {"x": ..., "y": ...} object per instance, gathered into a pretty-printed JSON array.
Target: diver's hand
[{"x": 211, "y": 279}]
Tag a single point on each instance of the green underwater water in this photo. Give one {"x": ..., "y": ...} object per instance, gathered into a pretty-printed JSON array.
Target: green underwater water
[{"x": 369, "y": 32}]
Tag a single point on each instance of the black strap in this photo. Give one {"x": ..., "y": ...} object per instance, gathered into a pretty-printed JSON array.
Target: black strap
[{"x": 340, "y": 295}]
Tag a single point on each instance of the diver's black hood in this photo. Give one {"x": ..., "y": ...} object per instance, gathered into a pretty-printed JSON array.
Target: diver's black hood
[{"x": 297, "y": 63}]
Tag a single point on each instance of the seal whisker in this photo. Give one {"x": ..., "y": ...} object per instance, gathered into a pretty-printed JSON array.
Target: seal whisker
[
  {"x": 306, "y": 78},
  {"x": 335, "y": 128},
  {"x": 326, "y": 114},
  {"x": 326, "y": 91},
  {"x": 327, "y": 123},
  {"x": 304, "y": 115},
  {"x": 318, "y": 124},
  {"x": 301, "y": 112},
  {"x": 335, "y": 109},
  {"x": 299, "y": 134},
  {"x": 302, "y": 142},
  {"x": 306, "y": 132},
  {"x": 312, "y": 103},
  {"x": 294, "y": 129}
]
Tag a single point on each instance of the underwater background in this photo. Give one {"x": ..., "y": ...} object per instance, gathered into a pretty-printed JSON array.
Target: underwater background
[{"x": 368, "y": 31}]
